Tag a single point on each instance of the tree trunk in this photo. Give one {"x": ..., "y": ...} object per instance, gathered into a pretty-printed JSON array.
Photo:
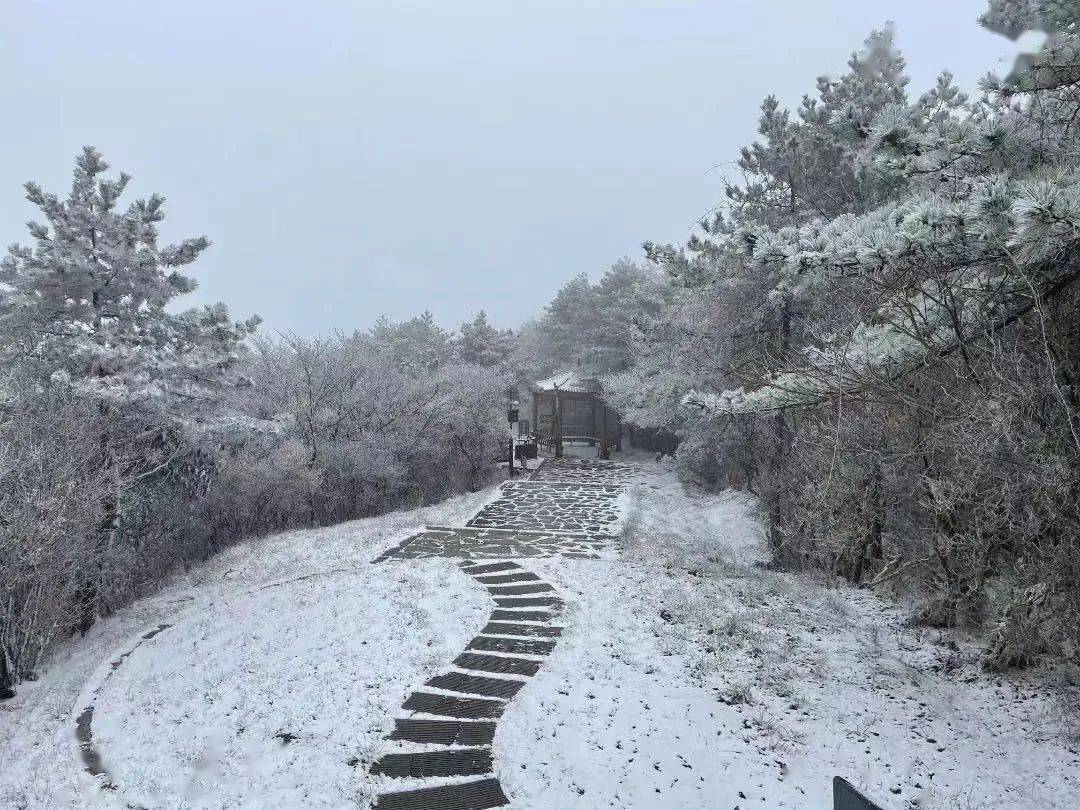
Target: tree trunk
[{"x": 7, "y": 672}]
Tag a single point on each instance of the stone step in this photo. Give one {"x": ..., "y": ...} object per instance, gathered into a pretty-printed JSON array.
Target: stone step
[
  {"x": 507, "y": 629},
  {"x": 511, "y": 645},
  {"x": 447, "y": 706},
  {"x": 512, "y": 590},
  {"x": 479, "y": 795},
  {"x": 522, "y": 615},
  {"x": 476, "y": 684},
  {"x": 443, "y": 732},
  {"x": 460, "y": 762},
  {"x": 491, "y": 568},
  {"x": 494, "y": 532},
  {"x": 499, "y": 579},
  {"x": 497, "y": 664},
  {"x": 535, "y": 601}
]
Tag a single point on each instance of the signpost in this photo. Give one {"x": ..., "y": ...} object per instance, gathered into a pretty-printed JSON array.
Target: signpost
[{"x": 511, "y": 417}]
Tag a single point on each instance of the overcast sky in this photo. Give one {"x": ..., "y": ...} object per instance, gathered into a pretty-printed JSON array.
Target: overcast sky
[{"x": 350, "y": 158}]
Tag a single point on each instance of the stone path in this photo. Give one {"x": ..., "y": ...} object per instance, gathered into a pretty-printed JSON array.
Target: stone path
[
  {"x": 568, "y": 508},
  {"x": 445, "y": 541},
  {"x": 541, "y": 505},
  {"x": 84, "y": 733}
]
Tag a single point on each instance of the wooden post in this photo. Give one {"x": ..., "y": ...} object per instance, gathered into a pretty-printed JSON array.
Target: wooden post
[
  {"x": 592, "y": 423},
  {"x": 510, "y": 457},
  {"x": 605, "y": 451},
  {"x": 558, "y": 425}
]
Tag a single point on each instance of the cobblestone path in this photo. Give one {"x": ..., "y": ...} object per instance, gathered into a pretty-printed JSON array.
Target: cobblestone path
[{"x": 568, "y": 508}]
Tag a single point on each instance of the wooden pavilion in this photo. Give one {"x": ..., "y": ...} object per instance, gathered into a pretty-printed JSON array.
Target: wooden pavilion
[{"x": 567, "y": 408}]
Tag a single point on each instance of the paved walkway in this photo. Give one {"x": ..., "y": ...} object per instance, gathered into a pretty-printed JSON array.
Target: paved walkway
[{"x": 568, "y": 508}]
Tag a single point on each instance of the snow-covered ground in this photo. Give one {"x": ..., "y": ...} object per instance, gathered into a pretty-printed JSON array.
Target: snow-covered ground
[
  {"x": 693, "y": 678},
  {"x": 688, "y": 676},
  {"x": 284, "y": 662}
]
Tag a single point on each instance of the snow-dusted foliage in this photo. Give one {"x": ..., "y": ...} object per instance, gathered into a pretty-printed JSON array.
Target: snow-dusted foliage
[
  {"x": 878, "y": 333},
  {"x": 88, "y": 338},
  {"x": 135, "y": 438},
  {"x": 590, "y": 325},
  {"x": 479, "y": 343},
  {"x": 87, "y": 303},
  {"x": 340, "y": 427}
]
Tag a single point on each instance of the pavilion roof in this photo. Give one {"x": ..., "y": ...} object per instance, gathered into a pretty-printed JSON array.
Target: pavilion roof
[{"x": 573, "y": 382}]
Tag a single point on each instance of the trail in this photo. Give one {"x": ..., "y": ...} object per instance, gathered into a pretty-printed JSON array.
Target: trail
[{"x": 570, "y": 508}]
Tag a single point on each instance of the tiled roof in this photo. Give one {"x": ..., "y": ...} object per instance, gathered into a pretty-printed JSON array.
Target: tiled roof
[{"x": 570, "y": 381}]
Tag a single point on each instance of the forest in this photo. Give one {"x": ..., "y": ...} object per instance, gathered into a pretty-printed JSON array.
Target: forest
[{"x": 875, "y": 333}]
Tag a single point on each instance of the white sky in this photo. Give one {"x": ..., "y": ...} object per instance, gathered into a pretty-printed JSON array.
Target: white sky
[{"x": 351, "y": 158}]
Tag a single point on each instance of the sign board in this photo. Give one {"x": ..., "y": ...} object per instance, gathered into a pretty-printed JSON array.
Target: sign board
[{"x": 512, "y": 415}]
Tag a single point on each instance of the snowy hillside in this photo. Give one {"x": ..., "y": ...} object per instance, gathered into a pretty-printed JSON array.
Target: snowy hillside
[{"x": 687, "y": 676}]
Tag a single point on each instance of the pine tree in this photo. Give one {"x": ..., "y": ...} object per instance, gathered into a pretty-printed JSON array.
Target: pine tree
[
  {"x": 879, "y": 332},
  {"x": 88, "y": 302},
  {"x": 480, "y": 343},
  {"x": 87, "y": 307},
  {"x": 418, "y": 344}
]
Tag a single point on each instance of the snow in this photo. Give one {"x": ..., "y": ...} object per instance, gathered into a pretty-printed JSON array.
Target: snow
[
  {"x": 296, "y": 634},
  {"x": 692, "y": 677},
  {"x": 688, "y": 676},
  {"x": 571, "y": 381}
]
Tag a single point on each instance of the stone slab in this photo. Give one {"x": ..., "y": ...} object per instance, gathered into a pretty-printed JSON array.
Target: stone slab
[
  {"x": 512, "y": 590},
  {"x": 497, "y": 663},
  {"x": 447, "y": 706},
  {"x": 476, "y": 685},
  {"x": 491, "y": 568},
  {"x": 459, "y": 762},
  {"x": 511, "y": 645},
  {"x": 510, "y": 629},
  {"x": 443, "y": 732},
  {"x": 505, "y": 579},
  {"x": 500, "y": 614},
  {"x": 530, "y": 601},
  {"x": 479, "y": 795}
]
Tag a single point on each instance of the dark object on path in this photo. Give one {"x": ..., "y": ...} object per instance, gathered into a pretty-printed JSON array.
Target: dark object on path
[{"x": 846, "y": 797}]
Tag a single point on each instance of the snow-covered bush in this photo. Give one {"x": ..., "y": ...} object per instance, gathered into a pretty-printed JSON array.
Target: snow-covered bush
[
  {"x": 879, "y": 332},
  {"x": 374, "y": 420},
  {"x": 87, "y": 332},
  {"x": 51, "y": 486},
  {"x": 136, "y": 439}
]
